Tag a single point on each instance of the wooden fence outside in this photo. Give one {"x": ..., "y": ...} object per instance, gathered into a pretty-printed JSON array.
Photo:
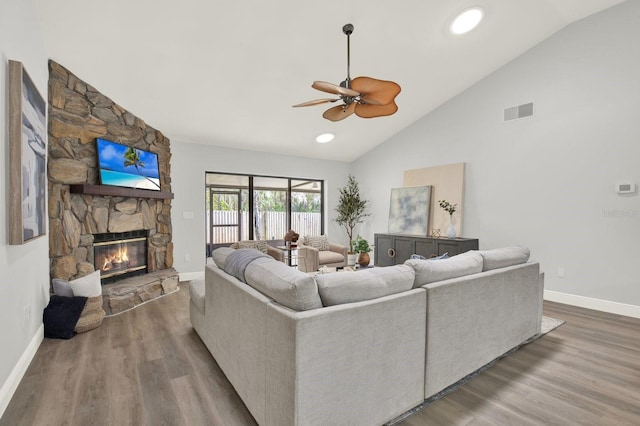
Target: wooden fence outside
[{"x": 271, "y": 225}]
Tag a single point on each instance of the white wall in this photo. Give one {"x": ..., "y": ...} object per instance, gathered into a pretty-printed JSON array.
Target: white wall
[
  {"x": 24, "y": 270},
  {"x": 545, "y": 182},
  {"x": 189, "y": 162}
]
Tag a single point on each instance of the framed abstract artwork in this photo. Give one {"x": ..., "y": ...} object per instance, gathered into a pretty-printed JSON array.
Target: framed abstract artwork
[
  {"x": 27, "y": 157},
  {"x": 409, "y": 210}
]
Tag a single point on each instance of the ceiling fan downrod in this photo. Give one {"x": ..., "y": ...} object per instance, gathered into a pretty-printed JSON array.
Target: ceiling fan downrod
[{"x": 348, "y": 30}]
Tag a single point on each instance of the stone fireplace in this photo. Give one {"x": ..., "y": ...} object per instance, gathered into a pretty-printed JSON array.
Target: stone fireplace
[{"x": 82, "y": 213}]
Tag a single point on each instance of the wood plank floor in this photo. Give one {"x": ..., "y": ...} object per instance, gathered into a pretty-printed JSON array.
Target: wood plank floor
[{"x": 148, "y": 367}]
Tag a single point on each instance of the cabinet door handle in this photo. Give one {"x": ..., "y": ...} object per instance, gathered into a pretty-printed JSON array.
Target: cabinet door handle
[{"x": 391, "y": 252}]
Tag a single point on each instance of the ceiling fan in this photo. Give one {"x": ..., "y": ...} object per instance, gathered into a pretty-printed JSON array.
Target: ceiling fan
[{"x": 365, "y": 96}]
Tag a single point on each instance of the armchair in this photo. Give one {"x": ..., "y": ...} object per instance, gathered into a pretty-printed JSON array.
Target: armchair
[
  {"x": 315, "y": 252},
  {"x": 261, "y": 246}
]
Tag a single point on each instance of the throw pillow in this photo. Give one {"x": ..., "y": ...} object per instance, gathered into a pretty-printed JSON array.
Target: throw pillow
[
  {"x": 62, "y": 288},
  {"x": 257, "y": 245},
  {"x": 442, "y": 256},
  {"x": 87, "y": 286},
  {"x": 421, "y": 257},
  {"x": 320, "y": 242}
]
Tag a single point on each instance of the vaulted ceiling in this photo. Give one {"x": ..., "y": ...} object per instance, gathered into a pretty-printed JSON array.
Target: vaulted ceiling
[{"x": 227, "y": 73}]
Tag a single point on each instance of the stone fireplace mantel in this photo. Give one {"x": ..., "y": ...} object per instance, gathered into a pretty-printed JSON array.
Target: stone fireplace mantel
[{"x": 116, "y": 191}]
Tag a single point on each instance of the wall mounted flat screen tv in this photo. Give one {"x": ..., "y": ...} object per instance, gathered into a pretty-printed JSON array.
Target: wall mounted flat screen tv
[{"x": 126, "y": 166}]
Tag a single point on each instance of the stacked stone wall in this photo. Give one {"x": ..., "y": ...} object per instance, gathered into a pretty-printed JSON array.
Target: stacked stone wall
[{"x": 78, "y": 114}]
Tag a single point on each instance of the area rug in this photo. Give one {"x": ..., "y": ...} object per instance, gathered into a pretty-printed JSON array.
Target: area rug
[{"x": 548, "y": 324}]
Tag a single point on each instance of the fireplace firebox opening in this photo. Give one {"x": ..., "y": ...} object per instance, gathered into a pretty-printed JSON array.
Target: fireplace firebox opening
[{"x": 120, "y": 255}]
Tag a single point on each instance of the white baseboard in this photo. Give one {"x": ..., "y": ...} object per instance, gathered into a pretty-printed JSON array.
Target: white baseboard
[
  {"x": 591, "y": 303},
  {"x": 11, "y": 384},
  {"x": 190, "y": 276}
]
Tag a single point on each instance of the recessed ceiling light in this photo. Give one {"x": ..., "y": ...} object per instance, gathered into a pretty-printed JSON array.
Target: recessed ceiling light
[
  {"x": 325, "y": 137},
  {"x": 466, "y": 20}
]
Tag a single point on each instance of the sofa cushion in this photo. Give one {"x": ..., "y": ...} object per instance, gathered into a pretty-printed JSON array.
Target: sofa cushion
[
  {"x": 347, "y": 287},
  {"x": 284, "y": 284},
  {"x": 432, "y": 270},
  {"x": 503, "y": 257},
  {"x": 320, "y": 242},
  {"x": 326, "y": 257},
  {"x": 220, "y": 255},
  {"x": 196, "y": 290}
]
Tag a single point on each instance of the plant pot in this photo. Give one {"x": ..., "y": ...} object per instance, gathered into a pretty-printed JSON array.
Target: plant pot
[
  {"x": 364, "y": 259},
  {"x": 351, "y": 259}
]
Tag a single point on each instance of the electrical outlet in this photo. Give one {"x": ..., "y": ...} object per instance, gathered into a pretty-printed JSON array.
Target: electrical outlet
[
  {"x": 27, "y": 313},
  {"x": 187, "y": 258},
  {"x": 560, "y": 272}
]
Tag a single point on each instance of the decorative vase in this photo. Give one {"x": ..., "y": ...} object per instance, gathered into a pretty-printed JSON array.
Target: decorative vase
[
  {"x": 364, "y": 259},
  {"x": 451, "y": 230}
]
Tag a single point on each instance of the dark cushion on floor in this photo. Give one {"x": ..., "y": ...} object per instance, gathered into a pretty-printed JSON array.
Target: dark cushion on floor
[{"x": 61, "y": 315}]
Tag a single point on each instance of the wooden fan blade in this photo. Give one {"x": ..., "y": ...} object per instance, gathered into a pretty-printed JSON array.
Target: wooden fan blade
[
  {"x": 315, "y": 102},
  {"x": 374, "y": 91},
  {"x": 324, "y": 86},
  {"x": 372, "y": 111},
  {"x": 339, "y": 112}
]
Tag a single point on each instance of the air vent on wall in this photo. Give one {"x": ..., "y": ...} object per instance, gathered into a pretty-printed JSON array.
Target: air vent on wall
[{"x": 520, "y": 111}]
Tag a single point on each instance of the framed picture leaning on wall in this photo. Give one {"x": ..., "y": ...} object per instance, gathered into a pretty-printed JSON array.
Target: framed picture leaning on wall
[
  {"x": 27, "y": 157},
  {"x": 409, "y": 210}
]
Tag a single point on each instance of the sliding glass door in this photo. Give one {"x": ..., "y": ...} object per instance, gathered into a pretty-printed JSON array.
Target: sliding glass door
[
  {"x": 247, "y": 207},
  {"x": 227, "y": 210},
  {"x": 306, "y": 207}
]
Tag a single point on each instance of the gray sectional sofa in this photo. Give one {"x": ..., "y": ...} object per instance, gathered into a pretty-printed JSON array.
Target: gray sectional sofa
[{"x": 361, "y": 348}]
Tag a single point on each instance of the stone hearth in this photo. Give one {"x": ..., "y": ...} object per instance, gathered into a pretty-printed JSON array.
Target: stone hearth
[{"x": 130, "y": 292}]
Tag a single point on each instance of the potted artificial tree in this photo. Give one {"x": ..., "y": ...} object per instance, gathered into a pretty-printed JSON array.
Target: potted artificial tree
[
  {"x": 362, "y": 247},
  {"x": 351, "y": 211}
]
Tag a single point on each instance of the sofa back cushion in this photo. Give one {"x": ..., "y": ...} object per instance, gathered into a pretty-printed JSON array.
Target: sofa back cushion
[
  {"x": 432, "y": 270},
  {"x": 220, "y": 255},
  {"x": 284, "y": 284},
  {"x": 503, "y": 257},
  {"x": 347, "y": 287}
]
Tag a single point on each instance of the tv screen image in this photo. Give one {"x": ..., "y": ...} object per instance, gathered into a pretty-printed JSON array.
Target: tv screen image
[{"x": 126, "y": 166}]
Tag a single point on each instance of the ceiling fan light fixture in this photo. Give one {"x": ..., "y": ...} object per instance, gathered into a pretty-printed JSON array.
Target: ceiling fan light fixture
[
  {"x": 325, "y": 137},
  {"x": 466, "y": 20}
]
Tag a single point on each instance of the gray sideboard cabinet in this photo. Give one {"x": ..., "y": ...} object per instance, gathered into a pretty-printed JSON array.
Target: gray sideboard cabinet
[{"x": 394, "y": 249}]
